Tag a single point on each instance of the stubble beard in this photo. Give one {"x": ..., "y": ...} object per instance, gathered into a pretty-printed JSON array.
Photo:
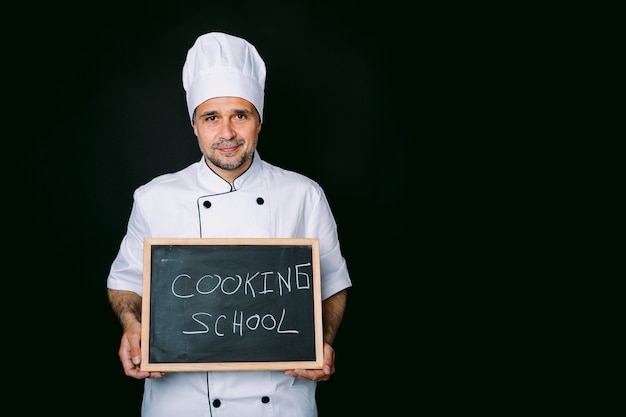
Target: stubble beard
[{"x": 230, "y": 165}]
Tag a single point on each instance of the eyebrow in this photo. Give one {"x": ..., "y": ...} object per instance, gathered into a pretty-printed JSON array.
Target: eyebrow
[
  {"x": 207, "y": 113},
  {"x": 235, "y": 111}
]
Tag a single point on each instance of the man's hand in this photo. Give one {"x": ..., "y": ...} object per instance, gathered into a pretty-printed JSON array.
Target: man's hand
[{"x": 317, "y": 375}]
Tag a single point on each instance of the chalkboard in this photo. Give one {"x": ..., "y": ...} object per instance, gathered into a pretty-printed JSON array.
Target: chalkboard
[{"x": 231, "y": 304}]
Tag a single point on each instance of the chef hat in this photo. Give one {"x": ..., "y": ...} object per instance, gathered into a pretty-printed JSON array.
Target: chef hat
[{"x": 220, "y": 65}]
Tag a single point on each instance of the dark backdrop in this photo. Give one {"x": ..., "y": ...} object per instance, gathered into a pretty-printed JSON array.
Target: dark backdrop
[{"x": 108, "y": 113}]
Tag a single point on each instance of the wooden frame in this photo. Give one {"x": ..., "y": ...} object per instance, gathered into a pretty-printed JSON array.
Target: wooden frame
[{"x": 179, "y": 359}]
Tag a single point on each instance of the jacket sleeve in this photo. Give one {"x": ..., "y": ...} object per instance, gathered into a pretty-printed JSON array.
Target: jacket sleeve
[
  {"x": 333, "y": 267},
  {"x": 126, "y": 271}
]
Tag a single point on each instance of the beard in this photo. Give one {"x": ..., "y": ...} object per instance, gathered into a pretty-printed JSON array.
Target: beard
[{"x": 232, "y": 164}]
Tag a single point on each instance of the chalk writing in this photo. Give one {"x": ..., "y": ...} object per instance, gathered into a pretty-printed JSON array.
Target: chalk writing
[
  {"x": 250, "y": 284},
  {"x": 230, "y": 285},
  {"x": 267, "y": 322}
]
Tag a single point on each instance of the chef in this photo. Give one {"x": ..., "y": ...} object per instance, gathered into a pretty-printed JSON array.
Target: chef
[{"x": 229, "y": 192}]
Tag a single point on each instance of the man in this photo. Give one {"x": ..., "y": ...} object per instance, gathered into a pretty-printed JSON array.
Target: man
[{"x": 229, "y": 192}]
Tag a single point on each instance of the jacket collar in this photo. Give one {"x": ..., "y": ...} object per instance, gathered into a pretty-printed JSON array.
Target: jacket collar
[{"x": 217, "y": 185}]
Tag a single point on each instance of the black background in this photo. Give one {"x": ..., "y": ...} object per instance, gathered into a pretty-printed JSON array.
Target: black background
[{"x": 105, "y": 111}]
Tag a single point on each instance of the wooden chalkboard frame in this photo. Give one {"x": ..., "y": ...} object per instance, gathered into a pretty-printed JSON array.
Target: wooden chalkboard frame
[{"x": 234, "y": 363}]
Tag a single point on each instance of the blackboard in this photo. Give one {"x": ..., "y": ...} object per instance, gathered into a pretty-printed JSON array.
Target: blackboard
[{"x": 231, "y": 304}]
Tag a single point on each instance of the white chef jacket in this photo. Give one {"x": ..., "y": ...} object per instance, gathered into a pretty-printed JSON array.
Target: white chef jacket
[{"x": 264, "y": 202}]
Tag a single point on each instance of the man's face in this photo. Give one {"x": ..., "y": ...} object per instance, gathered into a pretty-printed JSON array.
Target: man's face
[{"x": 228, "y": 130}]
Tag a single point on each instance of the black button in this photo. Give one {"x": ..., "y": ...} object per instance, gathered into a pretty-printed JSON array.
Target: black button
[
  {"x": 207, "y": 204},
  {"x": 217, "y": 403},
  {"x": 260, "y": 201},
  {"x": 265, "y": 399}
]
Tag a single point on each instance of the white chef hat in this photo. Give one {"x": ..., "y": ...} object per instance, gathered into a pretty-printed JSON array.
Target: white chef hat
[{"x": 220, "y": 65}]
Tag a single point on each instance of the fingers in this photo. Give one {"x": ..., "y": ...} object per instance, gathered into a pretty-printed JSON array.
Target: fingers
[
  {"x": 309, "y": 374},
  {"x": 136, "y": 372}
]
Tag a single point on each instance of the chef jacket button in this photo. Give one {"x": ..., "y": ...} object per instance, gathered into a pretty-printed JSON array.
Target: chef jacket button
[
  {"x": 260, "y": 201},
  {"x": 207, "y": 204},
  {"x": 265, "y": 399},
  {"x": 217, "y": 403}
]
